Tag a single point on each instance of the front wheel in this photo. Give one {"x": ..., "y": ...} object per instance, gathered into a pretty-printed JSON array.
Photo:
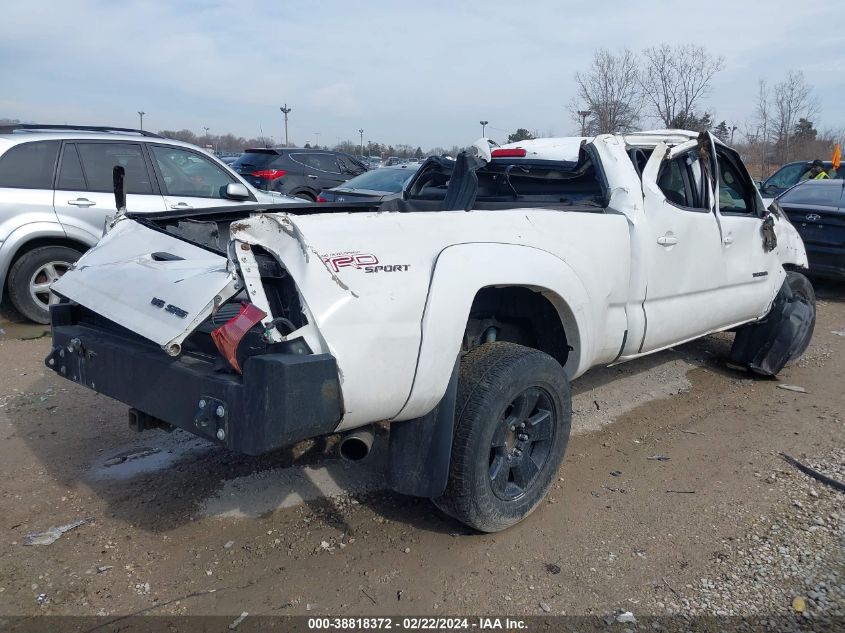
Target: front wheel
[
  {"x": 30, "y": 278},
  {"x": 513, "y": 416},
  {"x": 783, "y": 335}
]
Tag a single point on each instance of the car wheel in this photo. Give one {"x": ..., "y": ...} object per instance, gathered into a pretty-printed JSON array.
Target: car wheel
[
  {"x": 767, "y": 345},
  {"x": 512, "y": 419},
  {"x": 8, "y": 311},
  {"x": 803, "y": 290},
  {"x": 30, "y": 278}
]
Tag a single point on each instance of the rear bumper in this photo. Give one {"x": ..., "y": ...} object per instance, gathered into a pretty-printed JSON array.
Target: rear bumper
[{"x": 279, "y": 400}]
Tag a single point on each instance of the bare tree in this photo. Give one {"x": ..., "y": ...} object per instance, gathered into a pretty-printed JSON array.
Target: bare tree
[
  {"x": 610, "y": 90},
  {"x": 793, "y": 100},
  {"x": 675, "y": 80}
]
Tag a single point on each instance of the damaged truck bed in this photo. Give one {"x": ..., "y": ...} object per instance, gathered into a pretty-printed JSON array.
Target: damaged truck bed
[{"x": 458, "y": 314}]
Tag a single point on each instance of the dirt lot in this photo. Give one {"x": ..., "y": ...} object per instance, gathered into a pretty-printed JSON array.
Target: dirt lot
[{"x": 176, "y": 526}]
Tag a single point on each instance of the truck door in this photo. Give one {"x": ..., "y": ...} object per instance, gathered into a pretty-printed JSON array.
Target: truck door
[
  {"x": 684, "y": 267},
  {"x": 752, "y": 275}
]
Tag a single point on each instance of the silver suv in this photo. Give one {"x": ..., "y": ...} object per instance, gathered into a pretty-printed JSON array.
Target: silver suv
[{"x": 56, "y": 192}]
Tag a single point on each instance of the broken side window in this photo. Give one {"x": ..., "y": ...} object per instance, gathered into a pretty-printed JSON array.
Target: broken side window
[{"x": 682, "y": 180}]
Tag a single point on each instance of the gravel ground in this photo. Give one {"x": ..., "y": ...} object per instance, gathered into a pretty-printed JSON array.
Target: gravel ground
[
  {"x": 790, "y": 563},
  {"x": 724, "y": 527}
]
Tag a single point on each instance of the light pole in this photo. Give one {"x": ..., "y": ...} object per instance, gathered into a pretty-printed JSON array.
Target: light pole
[
  {"x": 208, "y": 138},
  {"x": 369, "y": 148},
  {"x": 733, "y": 129},
  {"x": 361, "y": 132},
  {"x": 584, "y": 114},
  {"x": 483, "y": 125},
  {"x": 286, "y": 110},
  {"x": 141, "y": 114}
]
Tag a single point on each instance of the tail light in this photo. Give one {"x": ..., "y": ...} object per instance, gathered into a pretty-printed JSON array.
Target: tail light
[
  {"x": 228, "y": 336},
  {"x": 269, "y": 174},
  {"x": 517, "y": 152},
  {"x": 321, "y": 199}
]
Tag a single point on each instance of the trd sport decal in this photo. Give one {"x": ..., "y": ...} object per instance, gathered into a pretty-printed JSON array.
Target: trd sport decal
[{"x": 362, "y": 261}]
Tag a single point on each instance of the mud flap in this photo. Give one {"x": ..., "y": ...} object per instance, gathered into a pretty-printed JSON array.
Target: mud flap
[
  {"x": 420, "y": 449},
  {"x": 784, "y": 334}
]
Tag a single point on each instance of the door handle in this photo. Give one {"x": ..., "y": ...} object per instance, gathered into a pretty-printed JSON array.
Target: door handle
[
  {"x": 82, "y": 202},
  {"x": 667, "y": 240},
  {"x": 181, "y": 205},
  {"x": 728, "y": 240},
  {"x": 312, "y": 177}
]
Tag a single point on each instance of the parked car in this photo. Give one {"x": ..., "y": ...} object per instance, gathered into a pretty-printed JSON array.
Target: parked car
[
  {"x": 377, "y": 185},
  {"x": 791, "y": 174},
  {"x": 229, "y": 158},
  {"x": 817, "y": 209},
  {"x": 301, "y": 173},
  {"x": 459, "y": 314},
  {"x": 56, "y": 192}
]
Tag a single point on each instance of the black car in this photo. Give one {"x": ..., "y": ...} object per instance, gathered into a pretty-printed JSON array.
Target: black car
[
  {"x": 377, "y": 185},
  {"x": 301, "y": 173},
  {"x": 817, "y": 209},
  {"x": 791, "y": 174}
]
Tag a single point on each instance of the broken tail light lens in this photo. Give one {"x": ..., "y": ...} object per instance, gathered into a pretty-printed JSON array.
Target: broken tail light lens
[
  {"x": 228, "y": 336},
  {"x": 269, "y": 174},
  {"x": 509, "y": 153}
]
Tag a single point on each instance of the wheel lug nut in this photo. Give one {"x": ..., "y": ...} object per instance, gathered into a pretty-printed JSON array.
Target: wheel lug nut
[
  {"x": 513, "y": 427},
  {"x": 517, "y": 452},
  {"x": 523, "y": 436}
]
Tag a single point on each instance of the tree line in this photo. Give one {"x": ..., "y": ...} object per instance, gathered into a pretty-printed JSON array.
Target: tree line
[{"x": 623, "y": 90}]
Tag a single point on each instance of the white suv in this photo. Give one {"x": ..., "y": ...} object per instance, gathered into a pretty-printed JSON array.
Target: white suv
[{"x": 56, "y": 192}]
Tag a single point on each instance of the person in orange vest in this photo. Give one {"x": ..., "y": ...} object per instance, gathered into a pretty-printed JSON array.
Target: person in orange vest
[{"x": 817, "y": 171}]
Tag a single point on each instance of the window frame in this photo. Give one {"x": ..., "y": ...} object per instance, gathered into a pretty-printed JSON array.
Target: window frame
[
  {"x": 65, "y": 146},
  {"x": 689, "y": 186},
  {"x": 52, "y": 182},
  {"x": 293, "y": 157},
  {"x": 756, "y": 210},
  {"x": 163, "y": 185},
  {"x": 154, "y": 188}
]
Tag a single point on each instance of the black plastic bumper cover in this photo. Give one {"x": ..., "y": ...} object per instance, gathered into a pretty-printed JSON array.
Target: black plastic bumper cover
[
  {"x": 784, "y": 334},
  {"x": 279, "y": 400}
]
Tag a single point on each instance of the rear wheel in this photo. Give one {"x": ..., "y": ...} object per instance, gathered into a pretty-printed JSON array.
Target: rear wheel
[
  {"x": 513, "y": 416},
  {"x": 30, "y": 278},
  {"x": 304, "y": 196}
]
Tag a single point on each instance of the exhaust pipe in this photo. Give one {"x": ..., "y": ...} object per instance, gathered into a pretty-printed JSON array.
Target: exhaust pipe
[{"x": 356, "y": 445}]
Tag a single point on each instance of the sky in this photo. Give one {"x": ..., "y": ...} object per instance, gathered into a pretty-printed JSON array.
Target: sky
[{"x": 421, "y": 73}]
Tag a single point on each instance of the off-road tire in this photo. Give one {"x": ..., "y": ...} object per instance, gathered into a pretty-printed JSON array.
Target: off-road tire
[
  {"x": 491, "y": 381},
  {"x": 801, "y": 286},
  {"x": 21, "y": 274}
]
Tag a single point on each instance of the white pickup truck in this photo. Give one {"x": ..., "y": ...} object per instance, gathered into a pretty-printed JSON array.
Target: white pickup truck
[{"x": 459, "y": 314}]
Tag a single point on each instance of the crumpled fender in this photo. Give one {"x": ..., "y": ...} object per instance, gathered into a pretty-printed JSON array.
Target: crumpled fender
[
  {"x": 766, "y": 346},
  {"x": 790, "y": 247}
]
